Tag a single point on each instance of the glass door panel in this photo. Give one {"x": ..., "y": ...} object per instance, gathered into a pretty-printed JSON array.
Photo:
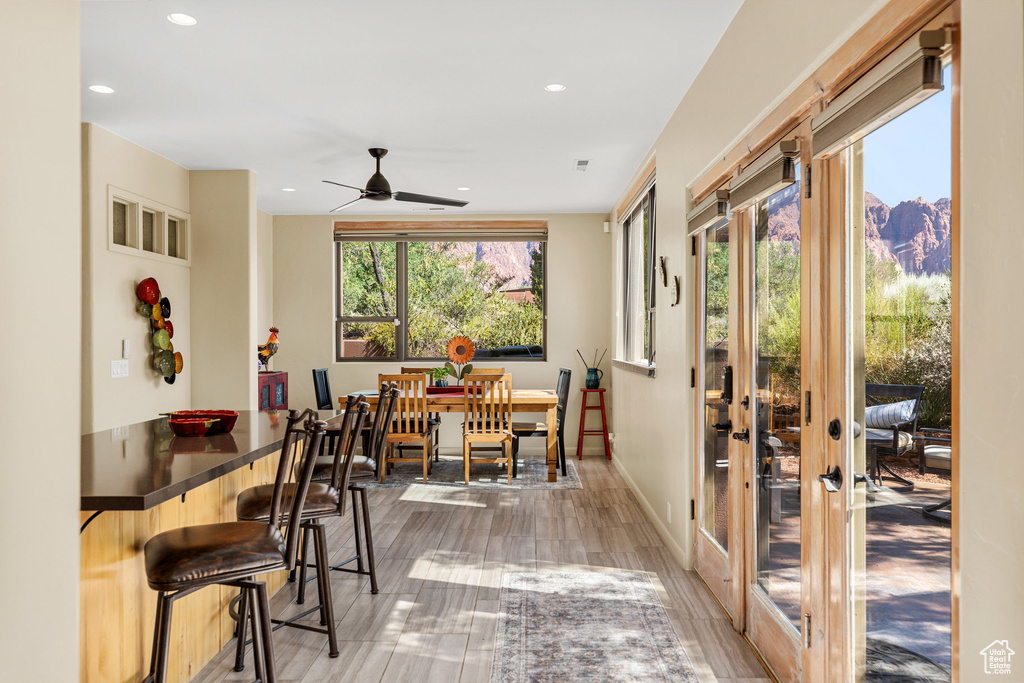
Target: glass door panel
[
  {"x": 899, "y": 260},
  {"x": 715, "y": 471},
  {"x": 776, "y": 380},
  {"x": 716, "y": 563}
]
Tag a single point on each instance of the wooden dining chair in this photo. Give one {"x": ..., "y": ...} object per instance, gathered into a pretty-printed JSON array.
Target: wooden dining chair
[
  {"x": 411, "y": 423},
  {"x": 435, "y": 417},
  {"x": 487, "y": 406},
  {"x": 487, "y": 371}
]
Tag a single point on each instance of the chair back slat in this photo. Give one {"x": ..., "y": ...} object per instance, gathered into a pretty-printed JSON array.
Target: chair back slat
[
  {"x": 343, "y": 466},
  {"x": 412, "y": 401},
  {"x": 356, "y": 408},
  {"x": 301, "y": 441},
  {"x": 487, "y": 371},
  {"x": 386, "y": 413},
  {"x": 322, "y": 389},
  {"x": 429, "y": 372},
  {"x": 487, "y": 403},
  {"x": 562, "y": 390}
]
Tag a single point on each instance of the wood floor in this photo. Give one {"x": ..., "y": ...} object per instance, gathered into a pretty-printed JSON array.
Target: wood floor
[{"x": 440, "y": 556}]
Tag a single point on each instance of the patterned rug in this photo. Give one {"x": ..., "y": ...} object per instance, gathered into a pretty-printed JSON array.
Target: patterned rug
[
  {"x": 888, "y": 663},
  {"x": 532, "y": 474},
  {"x": 564, "y": 626}
]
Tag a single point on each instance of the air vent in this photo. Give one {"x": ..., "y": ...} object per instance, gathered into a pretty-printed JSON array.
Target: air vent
[{"x": 580, "y": 165}]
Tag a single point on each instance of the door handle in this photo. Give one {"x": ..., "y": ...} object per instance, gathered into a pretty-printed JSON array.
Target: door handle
[
  {"x": 727, "y": 385},
  {"x": 743, "y": 436},
  {"x": 870, "y": 485},
  {"x": 832, "y": 479},
  {"x": 723, "y": 426}
]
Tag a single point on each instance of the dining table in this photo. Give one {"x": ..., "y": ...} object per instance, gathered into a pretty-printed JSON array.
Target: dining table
[{"x": 523, "y": 401}]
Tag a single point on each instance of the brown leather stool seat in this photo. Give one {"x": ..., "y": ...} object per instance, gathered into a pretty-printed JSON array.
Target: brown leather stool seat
[
  {"x": 182, "y": 561},
  {"x": 194, "y": 554},
  {"x": 254, "y": 503}
]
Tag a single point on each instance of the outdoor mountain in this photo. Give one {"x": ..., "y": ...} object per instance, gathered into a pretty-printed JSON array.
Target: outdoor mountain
[{"x": 914, "y": 233}]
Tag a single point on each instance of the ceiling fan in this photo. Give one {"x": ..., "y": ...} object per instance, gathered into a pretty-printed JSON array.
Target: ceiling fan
[{"x": 379, "y": 190}]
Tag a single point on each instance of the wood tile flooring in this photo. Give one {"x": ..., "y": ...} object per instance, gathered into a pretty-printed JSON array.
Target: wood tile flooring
[{"x": 440, "y": 556}]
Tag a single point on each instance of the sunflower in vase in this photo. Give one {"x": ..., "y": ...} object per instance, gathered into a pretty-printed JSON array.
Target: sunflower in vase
[{"x": 460, "y": 351}]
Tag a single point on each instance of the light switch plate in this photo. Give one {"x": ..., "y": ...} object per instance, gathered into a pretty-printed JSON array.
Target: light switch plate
[
  {"x": 126, "y": 348},
  {"x": 118, "y": 369}
]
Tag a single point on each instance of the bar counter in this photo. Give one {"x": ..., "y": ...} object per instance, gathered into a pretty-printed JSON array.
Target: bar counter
[
  {"x": 143, "y": 480},
  {"x": 142, "y": 465}
]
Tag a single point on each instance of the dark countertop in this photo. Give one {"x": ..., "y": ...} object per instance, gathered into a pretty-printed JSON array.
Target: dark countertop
[{"x": 142, "y": 465}]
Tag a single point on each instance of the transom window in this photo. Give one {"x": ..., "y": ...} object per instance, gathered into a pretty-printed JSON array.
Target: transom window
[{"x": 404, "y": 300}]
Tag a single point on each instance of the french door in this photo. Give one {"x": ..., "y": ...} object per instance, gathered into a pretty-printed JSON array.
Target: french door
[
  {"x": 750, "y": 539},
  {"x": 823, "y": 521}
]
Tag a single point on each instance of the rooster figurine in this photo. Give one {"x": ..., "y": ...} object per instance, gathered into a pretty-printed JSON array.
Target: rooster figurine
[{"x": 265, "y": 351}]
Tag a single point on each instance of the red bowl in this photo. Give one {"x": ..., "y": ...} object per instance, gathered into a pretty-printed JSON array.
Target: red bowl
[
  {"x": 190, "y": 426},
  {"x": 226, "y": 419}
]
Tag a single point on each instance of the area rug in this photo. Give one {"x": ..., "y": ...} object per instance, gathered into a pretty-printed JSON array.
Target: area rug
[
  {"x": 532, "y": 474},
  {"x": 888, "y": 663},
  {"x": 585, "y": 626}
]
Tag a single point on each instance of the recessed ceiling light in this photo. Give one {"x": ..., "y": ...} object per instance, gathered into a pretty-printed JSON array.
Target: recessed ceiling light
[
  {"x": 287, "y": 189},
  {"x": 554, "y": 87},
  {"x": 103, "y": 89},
  {"x": 182, "y": 19},
  {"x": 462, "y": 189}
]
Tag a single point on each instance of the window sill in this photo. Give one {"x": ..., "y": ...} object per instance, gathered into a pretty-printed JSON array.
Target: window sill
[{"x": 636, "y": 368}]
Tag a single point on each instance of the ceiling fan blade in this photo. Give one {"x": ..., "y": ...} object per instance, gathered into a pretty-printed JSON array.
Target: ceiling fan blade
[
  {"x": 344, "y": 185},
  {"x": 339, "y": 208},
  {"x": 425, "y": 199}
]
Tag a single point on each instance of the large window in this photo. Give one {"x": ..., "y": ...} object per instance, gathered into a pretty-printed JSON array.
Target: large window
[
  {"x": 638, "y": 278},
  {"x": 405, "y": 300}
]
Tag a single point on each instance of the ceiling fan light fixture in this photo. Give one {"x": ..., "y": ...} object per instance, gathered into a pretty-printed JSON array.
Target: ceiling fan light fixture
[
  {"x": 554, "y": 87},
  {"x": 102, "y": 89},
  {"x": 181, "y": 19}
]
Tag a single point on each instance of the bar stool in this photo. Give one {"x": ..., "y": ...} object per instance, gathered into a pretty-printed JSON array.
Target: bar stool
[
  {"x": 603, "y": 431},
  {"x": 322, "y": 500},
  {"x": 181, "y": 561},
  {"x": 364, "y": 469}
]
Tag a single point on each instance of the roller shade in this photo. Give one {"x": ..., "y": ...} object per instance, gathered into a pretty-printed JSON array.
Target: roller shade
[
  {"x": 771, "y": 172},
  {"x": 903, "y": 79},
  {"x": 708, "y": 211},
  {"x": 440, "y": 231}
]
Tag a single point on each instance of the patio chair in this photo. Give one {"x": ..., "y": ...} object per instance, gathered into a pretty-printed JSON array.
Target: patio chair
[
  {"x": 936, "y": 455},
  {"x": 890, "y": 421}
]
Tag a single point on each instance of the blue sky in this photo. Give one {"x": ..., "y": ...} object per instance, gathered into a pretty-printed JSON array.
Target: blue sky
[{"x": 910, "y": 156}]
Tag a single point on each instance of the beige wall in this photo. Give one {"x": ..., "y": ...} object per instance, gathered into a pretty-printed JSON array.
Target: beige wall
[
  {"x": 40, "y": 357},
  {"x": 264, "y": 276},
  {"x": 578, "y": 287},
  {"x": 224, "y": 279},
  {"x": 654, "y": 441},
  {"x": 109, "y": 281},
  {"x": 992, "y": 330}
]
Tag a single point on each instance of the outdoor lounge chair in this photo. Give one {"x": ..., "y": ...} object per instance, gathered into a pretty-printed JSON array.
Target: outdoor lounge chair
[{"x": 890, "y": 422}]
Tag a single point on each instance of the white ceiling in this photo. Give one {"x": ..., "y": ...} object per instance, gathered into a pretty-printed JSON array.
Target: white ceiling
[{"x": 296, "y": 90}]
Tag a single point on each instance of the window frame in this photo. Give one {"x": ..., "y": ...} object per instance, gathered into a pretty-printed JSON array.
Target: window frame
[
  {"x": 628, "y": 317},
  {"x": 401, "y": 317}
]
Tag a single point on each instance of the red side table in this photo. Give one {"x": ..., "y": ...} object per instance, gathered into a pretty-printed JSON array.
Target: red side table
[{"x": 603, "y": 431}]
